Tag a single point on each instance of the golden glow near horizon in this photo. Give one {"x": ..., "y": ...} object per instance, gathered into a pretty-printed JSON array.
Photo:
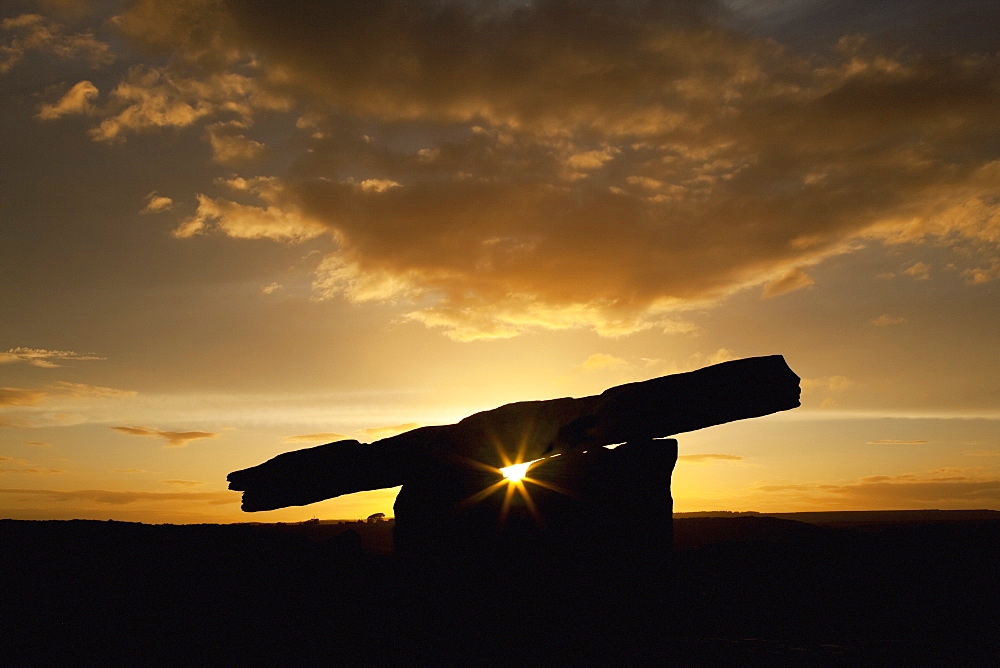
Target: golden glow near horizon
[{"x": 306, "y": 250}]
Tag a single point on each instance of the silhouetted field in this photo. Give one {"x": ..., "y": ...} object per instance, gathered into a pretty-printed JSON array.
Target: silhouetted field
[{"x": 742, "y": 590}]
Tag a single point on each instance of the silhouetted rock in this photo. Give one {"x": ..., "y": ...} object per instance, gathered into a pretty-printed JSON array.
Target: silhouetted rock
[
  {"x": 525, "y": 431},
  {"x": 573, "y": 503},
  {"x": 582, "y": 545}
]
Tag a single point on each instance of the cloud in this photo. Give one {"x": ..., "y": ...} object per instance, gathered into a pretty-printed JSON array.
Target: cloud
[
  {"x": 83, "y": 390},
  {"x": 385, "y": 432},
  {"x": 33, "y": 33},
  {"x": 24, "y": 468},
  {"x": 603, "y": 362},
  {"x": 18, "y": 396},
  {"x": 980, "y": 275},
  {"x": 919, "y": 271},
  {"x": 43, "y": 358},
  {"x": 893, "y": 441},
  {"x": 230, "y": 146},
  {"x": 149, "y": 99},
  {"x": 326, "y": 437},
  {"x": 175, "y": 439},
  {"x": 826, "y": 391},
  {"x": 984, "y": 453},
  {"x": 885, "y": 320},
  {"x": 39, "y": 444},
  {"x": 908, "y": 490},
  {"x": 708, "y": 458},
  {"x": 279, "y": 219},
  {"x": 157, "y": 203},
  {"x": 828, "y": 383},
  {"x": 121, "y": 498},
  {"x": 796, "y": 279},
  {"x": 78, "y": 100},
  {"x": 507, "y": 167},
  {"x": 184, "y": 483}
]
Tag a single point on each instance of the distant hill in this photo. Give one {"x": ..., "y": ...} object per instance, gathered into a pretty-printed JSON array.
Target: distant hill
[{"x": 855, "y": 517}]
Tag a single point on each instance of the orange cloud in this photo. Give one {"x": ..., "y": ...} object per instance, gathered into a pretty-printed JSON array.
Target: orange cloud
[
  {"x": 980, "y": 275},
  {"x": 230, "y": 146},
  {"x": 708, "y": 458},
  {"x": 150, "y": 98},
  {"x": 325, "y": 437},
  {"x": 30, "y": 32},
  {"x": 603, "y": 362},
  {"x": 84, "y": 390},
  {"x": 796, "y": 279},
  {"x": 908, "y": 490},
  {"x": 78, "y": 100},
  {"x": 157, "y": 203},
  {"x": 121, "y": 498},
  {"x": 639, "y": 161},
  {"x": 920, "y": 271},
  {"x": 893, "y": 441},
  {"x": 17, "y": 396},
  {"x": 385, "y": 432},
  {"x": 43, "y": 358},
  {"x": 886, "y": 320},
  {"x": 279, "y": 219},
  {"x": 175, "y": 439}
]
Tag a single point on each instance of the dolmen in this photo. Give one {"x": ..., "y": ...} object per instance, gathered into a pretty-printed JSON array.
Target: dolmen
[
  {"x": 579, "y": 546},
  {"x": 451, "y": 483}
]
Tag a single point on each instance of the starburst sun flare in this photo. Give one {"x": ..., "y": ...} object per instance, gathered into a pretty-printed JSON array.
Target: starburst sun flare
[{"x": 516, "y": 472}]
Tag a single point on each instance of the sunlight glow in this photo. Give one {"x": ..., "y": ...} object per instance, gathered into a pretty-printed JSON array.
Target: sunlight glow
[{"x": 515, "y": 472}]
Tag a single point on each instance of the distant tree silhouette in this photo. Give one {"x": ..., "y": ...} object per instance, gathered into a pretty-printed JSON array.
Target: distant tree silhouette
[{"x": 375, "y": 518}]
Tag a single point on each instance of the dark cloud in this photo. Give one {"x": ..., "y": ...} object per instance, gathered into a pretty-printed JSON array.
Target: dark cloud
[
  {"x": 32, "y": 33},
  {"x": 560, "y": 163},
  {"x": 970, "y": 24}
]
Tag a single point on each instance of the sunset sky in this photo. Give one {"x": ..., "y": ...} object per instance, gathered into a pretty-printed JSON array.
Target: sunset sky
[{"x": 233, "y": 229}]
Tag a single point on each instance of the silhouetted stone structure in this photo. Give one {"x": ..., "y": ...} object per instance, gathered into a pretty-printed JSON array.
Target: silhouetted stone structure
[
  {"x": 525, "y": 431},
  {"x": 578, "y": 548}
]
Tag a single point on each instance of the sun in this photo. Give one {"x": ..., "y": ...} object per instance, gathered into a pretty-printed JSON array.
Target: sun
[{"x": 515, "y": 472}]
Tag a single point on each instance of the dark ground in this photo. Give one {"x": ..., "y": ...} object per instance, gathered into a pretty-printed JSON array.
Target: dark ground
[{"x": 743, "y": 590}]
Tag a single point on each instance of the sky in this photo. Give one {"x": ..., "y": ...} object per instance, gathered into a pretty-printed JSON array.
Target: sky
[{"x": 233, "y": 229}]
